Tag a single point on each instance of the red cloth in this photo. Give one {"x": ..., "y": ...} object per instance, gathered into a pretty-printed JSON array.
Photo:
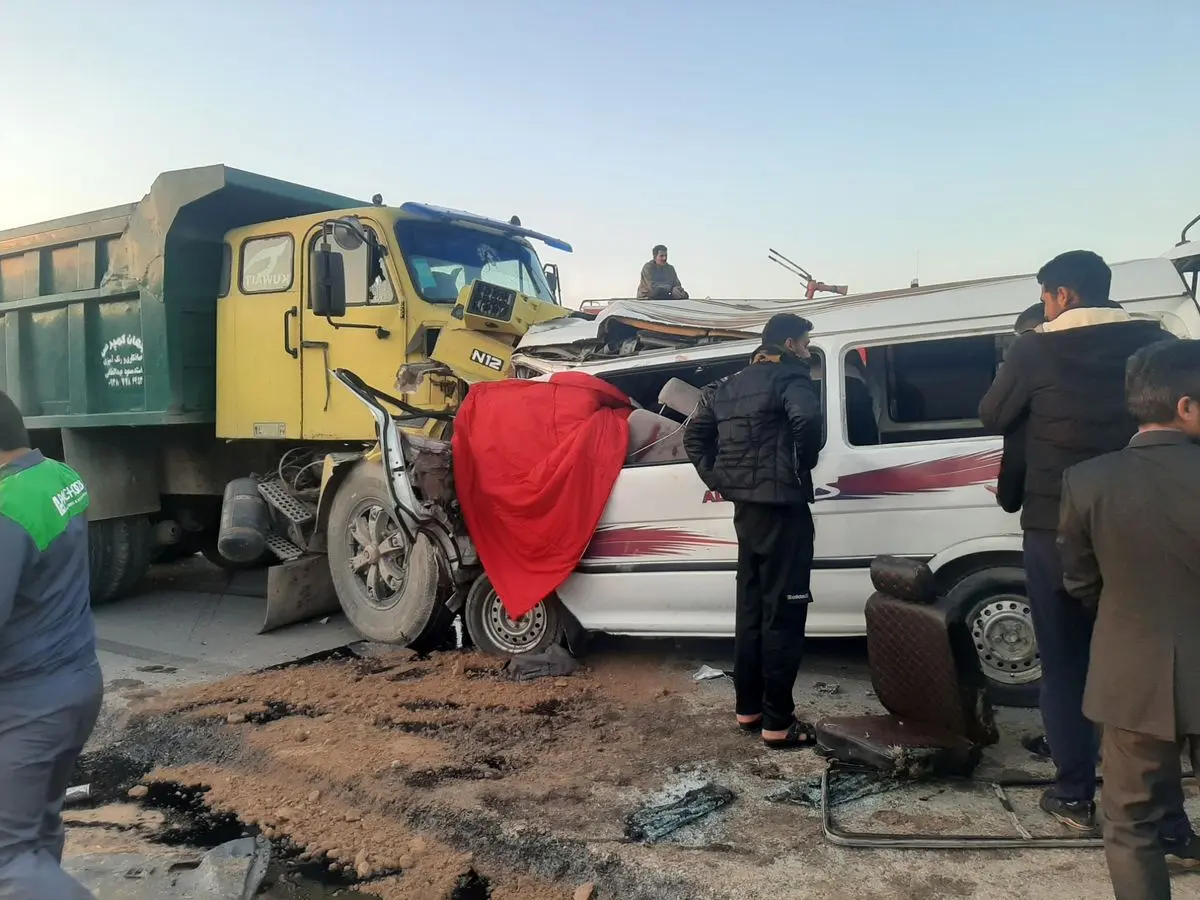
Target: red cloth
[{"x": 534, "y": 464}]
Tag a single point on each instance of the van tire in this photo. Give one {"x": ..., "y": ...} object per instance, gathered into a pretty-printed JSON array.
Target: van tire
[
  {"x": 995, "y": 607},
  {"x": 416, "y": 616},
  {"x": 119, "y": 553},
  {"x": 493, "y": 633}
]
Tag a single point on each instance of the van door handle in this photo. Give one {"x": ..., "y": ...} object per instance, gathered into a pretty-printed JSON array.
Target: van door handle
[{"x": 287, "y": 333}]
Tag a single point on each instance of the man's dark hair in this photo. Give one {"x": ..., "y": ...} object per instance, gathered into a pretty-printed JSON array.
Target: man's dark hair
[
  {"x": 1083, "y": 272},
  {"x": 658, "y": 248},
  {"x": 784, "y": 326},
  {"x": 1030, "y": 319},
  {"x": 13, "y": 435},
  {"x": 1157, "y": 377}
]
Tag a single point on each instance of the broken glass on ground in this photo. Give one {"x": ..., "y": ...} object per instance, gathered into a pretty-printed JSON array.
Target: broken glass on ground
[{"x": 652, "y": 823}]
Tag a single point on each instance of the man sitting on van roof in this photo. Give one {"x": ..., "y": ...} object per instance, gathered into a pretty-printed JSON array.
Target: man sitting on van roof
[{"x": 659, "y": 281}]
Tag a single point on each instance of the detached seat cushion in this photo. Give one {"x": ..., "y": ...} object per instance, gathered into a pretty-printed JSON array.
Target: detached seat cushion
[
  {"x": 926, "y": 674},
  {"x": 897, "y": 747},
  {"x": 654, "y": 438}
]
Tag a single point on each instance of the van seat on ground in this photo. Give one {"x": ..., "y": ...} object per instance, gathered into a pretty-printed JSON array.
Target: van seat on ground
[
  {"x": 680, "y": 396},
  {"x": 926, "y": 674},
  {"x": 654, "y": 438}
]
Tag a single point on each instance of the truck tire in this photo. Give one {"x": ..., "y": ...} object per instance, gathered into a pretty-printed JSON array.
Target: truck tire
[
  {"x": 995, "y": 607},
  {"x": 119, "y": 553},
  {"x": 387, "y": 600},
  {"x": 493, "y": 632}
]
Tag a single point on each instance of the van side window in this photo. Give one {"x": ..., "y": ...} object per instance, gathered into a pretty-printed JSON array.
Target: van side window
[
  {"x": 365, "y": 283},
  {"x": 267, "y": 264},
  {"x": 665, "y": 397},
  {"x": 919, "y": 390}
]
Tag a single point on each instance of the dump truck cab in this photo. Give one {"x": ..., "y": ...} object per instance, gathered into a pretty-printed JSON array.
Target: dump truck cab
[
  {"x": 171, "y": 352},
  {"x": 400, "y": 273}
]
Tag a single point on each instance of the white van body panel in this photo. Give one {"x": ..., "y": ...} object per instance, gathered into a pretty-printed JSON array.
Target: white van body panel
[{"x": 664, "y": 555}]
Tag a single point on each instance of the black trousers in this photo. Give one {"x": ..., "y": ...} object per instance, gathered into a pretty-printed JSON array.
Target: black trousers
[
  {"x": 775, "y": 554},
  {"x": 1142, "y": 792}
]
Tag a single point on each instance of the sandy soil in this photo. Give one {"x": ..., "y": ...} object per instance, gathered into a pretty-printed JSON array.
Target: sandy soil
[{"x": 415, "y": 773}]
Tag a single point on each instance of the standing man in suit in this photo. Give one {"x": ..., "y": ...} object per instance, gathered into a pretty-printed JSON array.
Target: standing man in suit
[
  {"x": 1129, "y": 536},
  {"x": 755, "y": 438},
  {"x": 1066, "y": 384}
]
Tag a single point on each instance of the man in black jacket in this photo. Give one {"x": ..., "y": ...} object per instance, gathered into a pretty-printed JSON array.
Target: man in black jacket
[
  {"x": 755, "y": 439},
  {"x": 1067, "y": 383}
]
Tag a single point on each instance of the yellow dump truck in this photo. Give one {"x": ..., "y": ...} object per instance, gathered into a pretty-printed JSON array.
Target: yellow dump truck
[{"x": 196, "y": 357}]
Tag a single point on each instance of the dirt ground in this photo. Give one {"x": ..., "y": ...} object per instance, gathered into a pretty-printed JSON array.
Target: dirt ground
[{"x": 428, "y": 779}]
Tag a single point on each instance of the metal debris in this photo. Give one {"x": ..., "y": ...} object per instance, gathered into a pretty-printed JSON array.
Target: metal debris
[
  {"x": 843, "y": 788},
  {"x": 708, "y": 673},
  {"x": 652, "y": 823}
]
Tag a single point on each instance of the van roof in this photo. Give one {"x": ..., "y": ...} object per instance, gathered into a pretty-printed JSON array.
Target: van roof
[{"x": 937, "y": 304}]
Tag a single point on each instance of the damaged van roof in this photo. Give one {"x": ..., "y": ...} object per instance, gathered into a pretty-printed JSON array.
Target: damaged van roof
[{"x": 701, "y": 319}]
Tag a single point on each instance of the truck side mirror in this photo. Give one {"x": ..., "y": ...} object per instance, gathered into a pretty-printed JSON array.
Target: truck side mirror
[
  {"x": 327, "y": 282},
  {"x": 550, "y": 270}
]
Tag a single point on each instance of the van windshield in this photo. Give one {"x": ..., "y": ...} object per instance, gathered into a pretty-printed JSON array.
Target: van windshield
[{"x": 443, "y": 258}]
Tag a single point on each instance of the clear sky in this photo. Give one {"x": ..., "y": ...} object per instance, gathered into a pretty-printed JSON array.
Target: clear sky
[{"x": 854, "y": 137}]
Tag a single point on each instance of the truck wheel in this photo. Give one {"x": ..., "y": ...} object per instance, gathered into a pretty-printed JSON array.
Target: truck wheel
[
  {"x": 493, "y": 632},
  {"x": 119, "y": 553},
  {"x": 996, "y": 610},
  {"x": 393, "y": 598}
]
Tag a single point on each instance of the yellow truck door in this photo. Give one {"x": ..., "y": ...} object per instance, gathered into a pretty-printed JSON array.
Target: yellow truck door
[
  {"x": 369, "y": 340},
  {"x": 258, "y": 369}
]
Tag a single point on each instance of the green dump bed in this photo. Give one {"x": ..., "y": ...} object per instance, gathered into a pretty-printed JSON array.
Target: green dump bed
[{"x": 109, "y": 318}]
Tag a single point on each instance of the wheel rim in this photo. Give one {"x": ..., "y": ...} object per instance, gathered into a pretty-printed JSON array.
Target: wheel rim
[
  {"x": 512, "y": 635},
  {"x": 1003, "y": 633},
  {"x": 380, "y": 575}
]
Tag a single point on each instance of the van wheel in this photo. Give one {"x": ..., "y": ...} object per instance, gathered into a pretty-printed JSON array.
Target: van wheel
[
  {"x": 395, "y": 597},
  {"x": 997, "y": 614},
  {"x": 493, "y": 632},
  {"x": 119, "y": 553}
]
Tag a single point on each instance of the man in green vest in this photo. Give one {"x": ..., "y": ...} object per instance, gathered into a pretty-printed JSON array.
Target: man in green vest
[{"x": 50, "y": 683}]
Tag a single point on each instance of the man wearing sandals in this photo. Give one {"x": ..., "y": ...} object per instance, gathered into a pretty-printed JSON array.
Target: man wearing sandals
[{"x": 755, "y": 439}]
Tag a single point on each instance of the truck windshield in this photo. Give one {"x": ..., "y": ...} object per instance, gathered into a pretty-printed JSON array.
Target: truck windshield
[{"x": 444, "y": 258}]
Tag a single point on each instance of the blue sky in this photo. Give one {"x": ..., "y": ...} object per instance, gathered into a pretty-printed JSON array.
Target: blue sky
[{"x": 852, "y": 137}]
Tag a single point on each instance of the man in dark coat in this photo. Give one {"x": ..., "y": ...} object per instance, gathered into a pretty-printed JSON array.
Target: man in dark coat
[
  {"x": 1129, "y": 534},
  {"x": 755, "y": 439},
  {"x": 1067, "y": 384}
]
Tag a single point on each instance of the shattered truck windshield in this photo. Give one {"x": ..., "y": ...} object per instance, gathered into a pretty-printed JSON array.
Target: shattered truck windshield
[{"x": 444, "y": 258}]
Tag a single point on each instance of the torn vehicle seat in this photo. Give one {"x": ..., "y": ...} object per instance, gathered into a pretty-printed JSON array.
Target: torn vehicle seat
[
  {"x": 680, "y": 396},
  {"x": 926, "y": 674},
  {"x": 654, "y": 438}
]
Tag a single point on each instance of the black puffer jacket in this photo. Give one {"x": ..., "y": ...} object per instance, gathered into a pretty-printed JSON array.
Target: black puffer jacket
[
  {"x": 755, "y": 436},
  {"x": 1067, "y": 387}
]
